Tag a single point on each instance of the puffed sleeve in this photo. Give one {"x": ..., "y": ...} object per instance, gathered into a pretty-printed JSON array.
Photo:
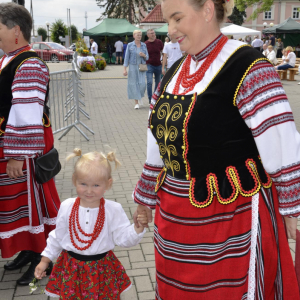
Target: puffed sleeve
[
  {"x": 263, "y": 104},
  {"x": 123, "y": 232},
  {"x": 144, "y": 192},
  {"x": 24, "y": 132},
  {"x": 54, "y": 241}
]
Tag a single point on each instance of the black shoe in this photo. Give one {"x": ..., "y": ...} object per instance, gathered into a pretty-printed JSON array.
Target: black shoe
[
  {"x": 20, "y": 261},
  {"x": 28, "y": 276}
]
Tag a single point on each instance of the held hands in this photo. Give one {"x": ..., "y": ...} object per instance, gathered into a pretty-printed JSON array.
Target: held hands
[
  {"x": 291, "y": 227},
  {"x": 40, "y": 270},
  {"x": 140, "y": 210},
  {"x": 142, "y": 220},
  {"x": 14, "y": 168}
]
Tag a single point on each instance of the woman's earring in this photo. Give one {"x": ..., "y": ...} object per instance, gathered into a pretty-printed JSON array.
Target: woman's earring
[
  {"x": 206, "y": 20},
  {"x": 16, "y": 41}
]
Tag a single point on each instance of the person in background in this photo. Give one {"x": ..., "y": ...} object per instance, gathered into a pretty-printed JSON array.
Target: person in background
[
  {"x": 265, "y": 50},
  {"x": 119, "y": 51},
  {"x": 94, "y": 47},
  {"x": 125, "y": 44},
  {"x": 28, "y": 209},
  {"x": 290, "y": 60},
  {"x": 155, "y": 48},
  {"x": 272, "y": 40},
  {"x": 272, "y": 55},
  {"x": 279, "y": 48},
  {"x": 257, "y": 43},
  {"x": 171, "y": 53},
  {"x": 136, "y": 54},
  {"x": 109, "y": 49}
]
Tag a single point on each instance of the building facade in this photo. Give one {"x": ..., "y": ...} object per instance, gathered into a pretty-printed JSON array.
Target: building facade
[{"x": 280, "y": 11}]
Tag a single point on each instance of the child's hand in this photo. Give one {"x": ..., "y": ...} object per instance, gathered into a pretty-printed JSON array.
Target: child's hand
[
  {"x": 142, "y": 221},
  {"x": 40, "y": 270}
]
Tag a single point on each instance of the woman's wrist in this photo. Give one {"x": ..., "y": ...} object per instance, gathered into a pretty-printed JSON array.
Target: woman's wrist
[{"x": 46, "y": 259}]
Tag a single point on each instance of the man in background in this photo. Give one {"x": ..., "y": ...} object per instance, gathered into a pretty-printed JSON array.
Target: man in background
[
  {"x": 171, "y": 53},
  {"x": 94, "y": 48},
  {"x": 154, "y": 47},
  {"x": 257, "y": 43},
  {"x": 119, "y": 51}
]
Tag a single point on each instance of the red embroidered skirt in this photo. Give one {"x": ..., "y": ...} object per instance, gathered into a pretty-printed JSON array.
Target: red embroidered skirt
[
  {"x": 25, "y": 224},
  {"x": 74, "y": 279},
  {"x": 204, "y": 253}
]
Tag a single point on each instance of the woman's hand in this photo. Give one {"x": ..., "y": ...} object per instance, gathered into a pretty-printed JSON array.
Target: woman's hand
[
  {"x": 125, "y": 73},
  {"x": 142, "y": 54},
  {"x": 140, "y": 211},
  {"x": 14, "y": 168},
  {"x": 40, "y": 270},
  {"x": 291, "y": 227}
]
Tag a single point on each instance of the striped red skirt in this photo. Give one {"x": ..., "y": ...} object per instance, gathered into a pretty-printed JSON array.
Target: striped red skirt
[
  {"x": 28, "y": 210},
  {"x": 74, "y": 279},
  {"x": 222, "y": 252}
]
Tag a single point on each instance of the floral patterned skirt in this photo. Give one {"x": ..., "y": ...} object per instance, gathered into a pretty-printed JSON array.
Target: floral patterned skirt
[{"x": 74, "y": 279}]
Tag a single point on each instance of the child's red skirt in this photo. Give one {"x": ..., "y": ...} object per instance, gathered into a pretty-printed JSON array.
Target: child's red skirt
[{"x": 75, "y": 279}]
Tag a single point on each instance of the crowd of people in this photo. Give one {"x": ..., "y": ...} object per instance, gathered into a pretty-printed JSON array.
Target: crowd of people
[{"x": 222, "y": 168}]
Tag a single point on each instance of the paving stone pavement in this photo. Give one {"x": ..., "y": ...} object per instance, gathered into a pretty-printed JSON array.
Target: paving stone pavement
[{"x": 118, "y": 125}]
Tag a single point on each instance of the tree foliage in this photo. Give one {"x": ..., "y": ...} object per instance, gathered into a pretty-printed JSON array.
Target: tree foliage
[
  {"x": 58, "y": 28},
  {"x": 43, "y": 32},
  {"x": 125, "y": 9},
  {"x": 262, "y": 5},
  {"x": 237, "y": 17},
  {"x": 74, "y": 32}
]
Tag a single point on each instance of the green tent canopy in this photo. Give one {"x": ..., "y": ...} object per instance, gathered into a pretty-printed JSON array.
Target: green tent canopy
[
  {"x": 287, "y": 26},
  {"x": 162, "y": 30},
  {"x": 112, "y": 27}
]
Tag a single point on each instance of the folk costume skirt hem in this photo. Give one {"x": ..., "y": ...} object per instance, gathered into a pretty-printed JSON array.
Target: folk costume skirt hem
[
  {"x": 74, "y": 279},
  {"x": 236, "y": 251},
  {"x": 28, "y": 210}
]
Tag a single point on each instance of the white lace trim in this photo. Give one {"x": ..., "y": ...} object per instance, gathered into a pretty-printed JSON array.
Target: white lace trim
[
  {"x": 33, "y": 230},
  {"x": 51, "y": 295},
  {"x": 251, "y": 274},
  {"x": 57, "y": 296},
  {"x": 49, "y": 221}
]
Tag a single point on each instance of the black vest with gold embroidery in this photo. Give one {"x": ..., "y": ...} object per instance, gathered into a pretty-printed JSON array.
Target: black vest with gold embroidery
[
  {"x": 7, "y": 76},
  {"x": 203, "y": 138}
]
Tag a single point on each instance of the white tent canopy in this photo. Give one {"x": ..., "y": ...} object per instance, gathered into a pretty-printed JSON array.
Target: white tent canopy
[{"x": 239, "y": 31}]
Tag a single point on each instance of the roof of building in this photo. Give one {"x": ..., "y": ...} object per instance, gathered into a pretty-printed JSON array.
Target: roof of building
[{"x": 155, "y": 16}]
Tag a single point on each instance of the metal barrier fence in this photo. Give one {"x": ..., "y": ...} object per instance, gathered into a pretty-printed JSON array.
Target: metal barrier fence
[{"x": 65, "y": 103}]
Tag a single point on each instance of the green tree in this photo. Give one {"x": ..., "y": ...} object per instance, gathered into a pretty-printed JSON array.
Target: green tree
[
  {"x": 58, "y": 28},
  {"x": 74, "y": 32},
  {"x": 43, "y": 32},
  {"x": 237, "y": 17},
  {"x": 124, "y": 9},
  {"x": 263, "y": 5}
]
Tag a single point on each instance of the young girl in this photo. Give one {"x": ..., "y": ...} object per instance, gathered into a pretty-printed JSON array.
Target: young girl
[{"x": 87, "y": 229}]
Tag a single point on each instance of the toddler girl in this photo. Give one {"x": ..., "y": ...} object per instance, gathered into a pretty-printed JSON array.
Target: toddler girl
[{"x": 87, "y": 229}]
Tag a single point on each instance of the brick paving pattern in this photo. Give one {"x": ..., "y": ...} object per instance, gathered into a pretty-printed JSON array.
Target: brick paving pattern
[{"x": 118, "y": 125}]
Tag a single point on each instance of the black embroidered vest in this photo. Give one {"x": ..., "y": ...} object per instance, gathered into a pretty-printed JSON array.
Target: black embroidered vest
[
  {"x": 203, "y": 138},
  {"x": 6, "y": 79}
]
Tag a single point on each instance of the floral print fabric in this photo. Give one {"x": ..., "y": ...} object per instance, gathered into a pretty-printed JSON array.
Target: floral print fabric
[{"x": 74, "y": 279}]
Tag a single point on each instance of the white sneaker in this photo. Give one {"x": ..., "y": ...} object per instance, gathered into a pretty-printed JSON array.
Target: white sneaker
[
  {"x": 299, "y": 83},
  {"x": 136, "y": 106}
]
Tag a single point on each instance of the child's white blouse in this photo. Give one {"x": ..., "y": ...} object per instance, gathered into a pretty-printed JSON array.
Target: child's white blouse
[{"x": 117, "y": 230}]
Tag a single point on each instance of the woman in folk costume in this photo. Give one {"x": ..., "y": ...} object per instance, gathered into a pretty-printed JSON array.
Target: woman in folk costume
[
  {"x": 223, "y": 167},
  {"x": 28, "y": 210}
]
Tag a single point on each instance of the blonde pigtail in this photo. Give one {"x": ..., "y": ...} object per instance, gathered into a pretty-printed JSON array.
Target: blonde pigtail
[
  {"x": 76, "y": 152},
  {"x": 111, "y": 156},
  {"x": 228, "y": 8}
]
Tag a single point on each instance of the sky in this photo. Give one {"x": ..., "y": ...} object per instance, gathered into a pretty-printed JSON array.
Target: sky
[{"x": 50, "y": 10}]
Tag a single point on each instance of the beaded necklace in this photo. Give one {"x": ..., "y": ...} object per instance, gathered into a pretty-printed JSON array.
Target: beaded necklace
[
  {"x": 74, "y": 225},
  {"x": 27, "y": 48},
  {"x": 187, "y": 80}
]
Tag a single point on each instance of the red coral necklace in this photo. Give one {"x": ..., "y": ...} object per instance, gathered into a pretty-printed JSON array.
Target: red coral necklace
[
  {"x": 74, "y": 224},
  {"x": 187, "y": 80}
]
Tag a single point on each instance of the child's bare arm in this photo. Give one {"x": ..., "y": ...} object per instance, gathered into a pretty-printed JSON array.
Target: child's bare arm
[
  {"x": 142, "y": 221},
  {"x": 40, "y": 270}
]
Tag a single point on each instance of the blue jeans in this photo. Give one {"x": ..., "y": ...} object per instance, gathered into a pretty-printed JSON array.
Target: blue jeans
[
  {"x": 156, "y": 70},
  {"x": 284, "y": 67}
]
